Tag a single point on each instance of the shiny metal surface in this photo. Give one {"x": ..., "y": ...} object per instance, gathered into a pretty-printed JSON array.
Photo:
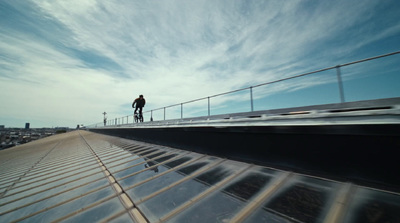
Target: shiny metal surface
[{"x": 88, "y": 177}]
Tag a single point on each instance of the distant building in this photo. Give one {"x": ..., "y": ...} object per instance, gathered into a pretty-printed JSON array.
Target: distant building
[
  {"x": 1, "y": 126},
  {"x": 27, "y": 125}
]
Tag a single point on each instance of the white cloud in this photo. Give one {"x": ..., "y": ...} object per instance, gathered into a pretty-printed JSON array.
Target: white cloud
[{"x": 99, "y": 55}]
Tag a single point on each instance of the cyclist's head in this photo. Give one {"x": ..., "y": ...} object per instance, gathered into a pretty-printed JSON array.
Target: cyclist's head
[{"x": 141, "y": 96}]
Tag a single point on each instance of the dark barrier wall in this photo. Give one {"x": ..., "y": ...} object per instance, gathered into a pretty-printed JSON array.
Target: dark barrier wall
[{"x": 363, "y": 154}]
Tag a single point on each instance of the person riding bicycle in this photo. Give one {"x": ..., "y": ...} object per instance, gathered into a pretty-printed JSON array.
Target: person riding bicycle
[{"x": 140, "y": 102}]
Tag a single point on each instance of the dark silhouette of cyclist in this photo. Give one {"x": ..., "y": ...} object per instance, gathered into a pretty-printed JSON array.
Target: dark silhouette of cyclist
[{"x": 140, "y": 102}]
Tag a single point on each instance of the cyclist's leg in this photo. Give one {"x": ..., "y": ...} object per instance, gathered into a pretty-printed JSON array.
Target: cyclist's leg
[{"x": 141, "y": 113}]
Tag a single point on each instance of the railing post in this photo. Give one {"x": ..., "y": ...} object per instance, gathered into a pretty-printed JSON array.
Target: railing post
[
  {"x": 181, "y": 110},
  {"x": 208, "y": 98},
  {"x": 151, "y": 115},
  {"x": 251, "y": 98},
  {"x": 340, "y": 84}
]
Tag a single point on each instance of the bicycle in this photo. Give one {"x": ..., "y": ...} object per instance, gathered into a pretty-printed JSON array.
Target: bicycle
[{"x": 138, "y": 117}]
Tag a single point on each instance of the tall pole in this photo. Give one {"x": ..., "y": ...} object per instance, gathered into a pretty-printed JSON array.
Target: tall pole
[
  {"x": 209, "y": 106},
  {"x": 340, "y": 84},
  {"x": 105, "y": 119},
  {"x": 251, "y": 98}
]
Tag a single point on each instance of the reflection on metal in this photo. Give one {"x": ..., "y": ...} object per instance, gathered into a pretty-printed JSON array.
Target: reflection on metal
[{"x": 87, "y": 177}]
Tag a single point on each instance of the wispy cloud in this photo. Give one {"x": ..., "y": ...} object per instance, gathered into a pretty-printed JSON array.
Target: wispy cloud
[{"x": 75, "y": 59}]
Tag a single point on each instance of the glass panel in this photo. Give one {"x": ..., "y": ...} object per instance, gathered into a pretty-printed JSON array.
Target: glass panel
[
  {"x": 5, "y": 186},
  {"x": 369, "y": 206},
  {"x": 122, "y": 161},
  {"x": 164, "y": 203},
  {"x": 248, "y": 186},
  {"x": 165, "y": 158},
  {"x": 222, "y": 205},
  {"x": 46, "y": 192},
  {"x": 133, "y": 169},
  {"x": 51, "y": 182},
  {"x": 218, "y": 207},
  {"x": 64, "y": 156},
  {"x": 142, "y": 176},
  {"x": 269, "y": 217},
  {"x": 117, "y": 168},
  {"x": 187, "y": 170},
  {"x": 154, "y": 155},
  {"x": 106, "y": 154},
  {"x": 32, "y": 189},
  {"x": 115, "y": 158},
  {"x": 148, "y": 152},
  {"x": 299, "y": 202},
  {"x": 63, "y": 167},
  {"x": 300, "y": 199},
  {"x": 99, "y": 212},
  {"x": 62, "y": 210},
  {"x": 158, "y": 183},
  {"x": 213, "y": 176},
  {"x": 132, "y": 147},
  {"x": 125, "y": 218},
  {"x": 112, "y": 153},
  {"x": 10, "y": 180},
  {"x": 56, "y": 175},
  {"x": 4, "y": 189},
  {"x": 50, "y": 201},
  {"x": 158, "y": 206},
  {"x": 146, "y": 174},
  {"x": 177, "y": 162},
  {"x": 139, "y": 149}
]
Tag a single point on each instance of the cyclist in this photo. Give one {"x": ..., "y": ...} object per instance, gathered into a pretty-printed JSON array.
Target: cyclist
[{"x": 140, "y": 102}]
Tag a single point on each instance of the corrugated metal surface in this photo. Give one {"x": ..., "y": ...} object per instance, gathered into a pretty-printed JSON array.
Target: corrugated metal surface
[{"x": 87, "y": 177}]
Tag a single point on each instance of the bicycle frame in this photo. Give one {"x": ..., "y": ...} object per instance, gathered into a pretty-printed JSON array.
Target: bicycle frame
[{"x": 138, "y": 117}]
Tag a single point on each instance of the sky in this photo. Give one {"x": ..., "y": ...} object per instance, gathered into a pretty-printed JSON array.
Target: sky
[{"x": 64, "y": 63}]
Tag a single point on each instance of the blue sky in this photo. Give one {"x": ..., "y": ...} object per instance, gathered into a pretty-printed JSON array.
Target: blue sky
[{"x": 64, "y": 63}]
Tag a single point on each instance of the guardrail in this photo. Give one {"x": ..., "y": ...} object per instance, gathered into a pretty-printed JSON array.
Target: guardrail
[{"x": 126, "y": 120}]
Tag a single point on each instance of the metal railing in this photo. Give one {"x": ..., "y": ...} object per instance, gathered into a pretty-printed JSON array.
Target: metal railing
[{"x": 127, "y": 120}]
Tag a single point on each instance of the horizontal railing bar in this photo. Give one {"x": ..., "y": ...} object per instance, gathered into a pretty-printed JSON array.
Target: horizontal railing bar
[{"x": 371, "y": 58}]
